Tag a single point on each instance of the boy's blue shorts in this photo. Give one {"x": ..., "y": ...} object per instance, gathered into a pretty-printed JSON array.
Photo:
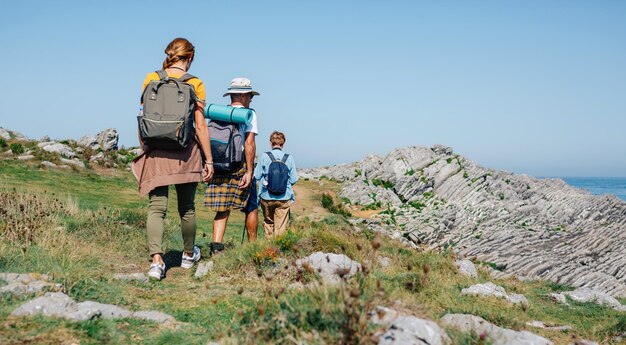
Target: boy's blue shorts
[{"x": 253, "y": 198}]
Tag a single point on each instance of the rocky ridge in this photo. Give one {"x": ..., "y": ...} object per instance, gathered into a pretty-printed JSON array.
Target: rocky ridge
[
  {"x": 518, "y": 224},
  {"x": 100, "y": 149}
]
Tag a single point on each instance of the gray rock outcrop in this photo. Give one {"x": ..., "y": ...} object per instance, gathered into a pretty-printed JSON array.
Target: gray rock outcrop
[
  {"x": 89, "y": 141},
  {"x": 412, "y": 330},
  {"x": 58, "y": 304},
  {"x": 25, "y": 284},
  {"x": 493, "y": 290},
  {"x": 108, "y": 139},
  {"x": 467, "y": 268},
  {"x": 54, "y": 147},
  {"x": 497, "y": 335},
  {"x": 4, "y": 134},
  {"x": 330, "y": 267},
  {"x": 536, "y": 228},
  {"x": 587, "y": 295}
]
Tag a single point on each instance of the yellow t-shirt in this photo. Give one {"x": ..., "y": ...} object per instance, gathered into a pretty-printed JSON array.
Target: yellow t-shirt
[{"x": 195, "y": 82}]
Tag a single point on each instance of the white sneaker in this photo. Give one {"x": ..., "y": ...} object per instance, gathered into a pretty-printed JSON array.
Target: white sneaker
[
  {"x": 189, "y": 261},
  {"x": 156, "y": 271}
]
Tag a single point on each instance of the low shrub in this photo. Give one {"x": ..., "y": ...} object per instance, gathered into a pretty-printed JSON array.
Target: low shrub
[{"x": 17, "y": 148}]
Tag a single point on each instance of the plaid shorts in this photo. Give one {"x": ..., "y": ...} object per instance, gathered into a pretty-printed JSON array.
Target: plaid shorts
[{"x": 223, "y": 192}]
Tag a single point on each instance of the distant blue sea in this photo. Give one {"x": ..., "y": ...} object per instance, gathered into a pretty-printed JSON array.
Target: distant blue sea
[{"x": 600, "y": 185}]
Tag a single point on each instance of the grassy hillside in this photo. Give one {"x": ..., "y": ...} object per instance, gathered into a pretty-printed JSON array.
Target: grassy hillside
[{"x": 82, "y": 227}]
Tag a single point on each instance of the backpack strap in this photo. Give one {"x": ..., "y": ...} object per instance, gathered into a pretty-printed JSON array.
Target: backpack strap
[
  {"x": 284, "y": 160},
  {"x": 269, "y": 153},
  {"x": 271, "y": 156},
  {"x": 162, "y": 74},
  {"x": 186, "y": 77}
]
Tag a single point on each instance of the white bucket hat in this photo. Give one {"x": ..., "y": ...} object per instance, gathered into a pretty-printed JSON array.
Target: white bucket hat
[{"x": 241, "y": 85}]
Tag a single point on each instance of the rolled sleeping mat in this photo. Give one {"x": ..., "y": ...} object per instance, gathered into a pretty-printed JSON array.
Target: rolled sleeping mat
[{"x": 226, "y": 113}]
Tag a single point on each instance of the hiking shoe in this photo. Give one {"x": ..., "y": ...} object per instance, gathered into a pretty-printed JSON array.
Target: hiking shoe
[
  {"x": 188, "y": 261},
  {"x": 216, "y": 248},
  {"x": 156, "y": 271}
]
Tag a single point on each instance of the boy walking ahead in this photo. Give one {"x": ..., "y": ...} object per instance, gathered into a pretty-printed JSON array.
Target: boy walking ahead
[{"x": 277, "y": 173}]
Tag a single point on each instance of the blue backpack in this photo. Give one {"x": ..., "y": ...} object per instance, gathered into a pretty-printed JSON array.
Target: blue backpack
[{"x": 277, "y": 175}]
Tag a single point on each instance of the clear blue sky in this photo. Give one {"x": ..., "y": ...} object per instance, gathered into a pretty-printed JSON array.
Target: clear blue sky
[{"x": 535, "y": 87}]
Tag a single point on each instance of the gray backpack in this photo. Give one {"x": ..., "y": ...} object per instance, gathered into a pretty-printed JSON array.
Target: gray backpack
[
  {"x": 226, "y": 146},
  {"x": 168, "y": 112}
]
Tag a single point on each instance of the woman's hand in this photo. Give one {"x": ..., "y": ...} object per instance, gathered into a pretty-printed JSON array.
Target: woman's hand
[{"x": 207, "y": 172}]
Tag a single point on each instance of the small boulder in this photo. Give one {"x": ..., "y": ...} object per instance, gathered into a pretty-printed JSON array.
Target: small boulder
[
  {"x": 25, "y": 157},
  {"x": 467, "y": 268},
  {"x": 383, "y": 315},
  {"x": 412, "y": 330},
  {"x": 487, "y": 289},
  {"x": 491, "y": 289},
  {"x": 331, "y": 267},
  {"x": 584, "y": 295},
  {"x": 75, "y": 162},
  {"x": 108, "y": 139},
  {"x": 442, "y": 149},
  {"x": 89, "y": 141},
  {"x": 203, "y": 269},
  {"x": 54, "y": 147}
]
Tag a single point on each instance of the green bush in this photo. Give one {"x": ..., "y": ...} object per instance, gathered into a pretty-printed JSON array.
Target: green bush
[
  {"x": 3, "y": 143},
  {"x": 385, "y": 184},
  {"x": 417, "y": 205},
  {"x": 17, "y": 148},
  {"x": 286, "y": 241},
  {"x": 329, "y": 204}
]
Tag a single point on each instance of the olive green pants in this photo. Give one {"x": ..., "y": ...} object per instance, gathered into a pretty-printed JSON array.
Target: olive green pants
[{"x": 157, "y": 209}]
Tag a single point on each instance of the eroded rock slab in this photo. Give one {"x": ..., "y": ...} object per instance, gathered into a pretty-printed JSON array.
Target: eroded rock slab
[
  {"x": 58, "y": 304},
  {"x": 587, "y": 295},
  {"x": 531, "y": 227},
  {"x": 491, "y": 289},
  {"x": 59, "y": 148},
  {"x": 497, "y": 335},
  {"x": 25, "y": 283},
  {"x": 412, "y": 330}
]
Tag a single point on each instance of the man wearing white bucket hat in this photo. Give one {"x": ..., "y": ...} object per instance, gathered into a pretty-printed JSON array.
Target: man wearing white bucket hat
[{"x": 237, "y": 190}]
